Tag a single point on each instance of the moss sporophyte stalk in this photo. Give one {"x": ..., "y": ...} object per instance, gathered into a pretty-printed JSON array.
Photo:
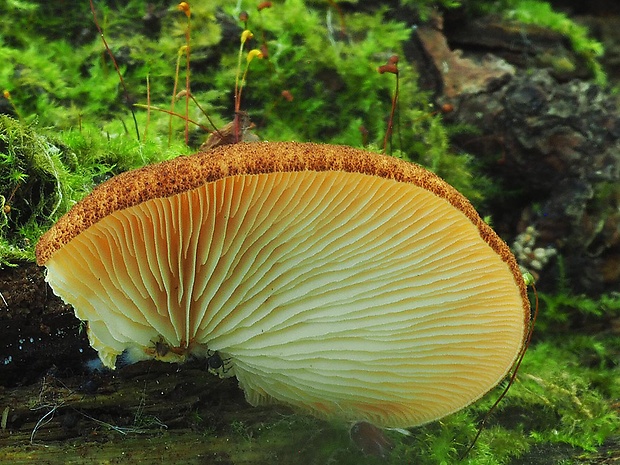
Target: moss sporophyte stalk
[{"x": 317, "y": 80}]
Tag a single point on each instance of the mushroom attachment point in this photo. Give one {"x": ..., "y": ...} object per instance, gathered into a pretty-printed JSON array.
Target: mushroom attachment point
[{"x": 344, "y": 283}]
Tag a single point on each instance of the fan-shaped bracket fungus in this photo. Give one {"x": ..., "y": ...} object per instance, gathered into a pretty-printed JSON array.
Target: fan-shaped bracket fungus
[{"x": 346, "y": 283}]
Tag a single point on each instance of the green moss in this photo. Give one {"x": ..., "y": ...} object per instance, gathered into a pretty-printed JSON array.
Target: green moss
[
  {"x": 35, "y": 187},
  {"x": 42, "y": 176},
  {"x": 564, "y": 308},
  {"x": 541, "y": 13},
  {"x": 333, "y": 79},
  {"x": 329, "y": 67},
  {"x": 426, "y": 8},
  {"x": 568, "y": 397},
  {"x": 429, "y": 144}
]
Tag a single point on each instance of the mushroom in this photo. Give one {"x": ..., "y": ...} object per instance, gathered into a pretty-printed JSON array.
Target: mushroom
[{"x": 345, "y": 283}]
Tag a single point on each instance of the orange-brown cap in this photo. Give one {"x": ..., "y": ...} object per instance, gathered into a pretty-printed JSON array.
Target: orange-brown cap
[{"x": 343, "y": 282}]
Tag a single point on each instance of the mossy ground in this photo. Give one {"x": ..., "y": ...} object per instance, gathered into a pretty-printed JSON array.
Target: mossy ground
[
  {"x": 558, "y": 407},
  {"x": 71, "y": 129}
]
